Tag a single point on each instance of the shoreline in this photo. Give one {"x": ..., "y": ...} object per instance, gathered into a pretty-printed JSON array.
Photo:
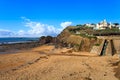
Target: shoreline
[{"x": 17, "y": 47}]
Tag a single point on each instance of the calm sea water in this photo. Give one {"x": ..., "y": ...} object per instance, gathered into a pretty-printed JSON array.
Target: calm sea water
[{"x": 16, "y": 40}]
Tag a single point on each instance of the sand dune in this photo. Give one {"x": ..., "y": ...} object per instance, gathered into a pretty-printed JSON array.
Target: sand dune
[{"x": 47, "y": 63}]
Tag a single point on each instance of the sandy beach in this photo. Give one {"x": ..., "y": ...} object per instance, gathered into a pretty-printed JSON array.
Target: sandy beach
[{"x": 47, "y": 63}]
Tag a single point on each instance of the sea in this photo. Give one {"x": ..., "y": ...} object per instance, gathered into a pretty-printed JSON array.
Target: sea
[{"x": 12, "y": 40}]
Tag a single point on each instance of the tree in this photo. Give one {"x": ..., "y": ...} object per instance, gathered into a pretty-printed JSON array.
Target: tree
[
  {"x": 116, "y": 24},
  {"x": 79, "y": 25}
]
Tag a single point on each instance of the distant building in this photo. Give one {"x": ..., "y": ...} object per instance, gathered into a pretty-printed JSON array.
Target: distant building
[
  {"x": 90, "y": 25},
  {"x": 103, "y": 25}
]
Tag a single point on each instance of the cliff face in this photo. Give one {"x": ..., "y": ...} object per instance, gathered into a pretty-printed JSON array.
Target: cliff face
[{"x": 77, "y": 42}]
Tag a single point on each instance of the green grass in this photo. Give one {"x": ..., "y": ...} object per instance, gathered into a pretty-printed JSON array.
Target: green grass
[
  {"x": 84, "y": 30},
  {"x": 97, "y": 44}
]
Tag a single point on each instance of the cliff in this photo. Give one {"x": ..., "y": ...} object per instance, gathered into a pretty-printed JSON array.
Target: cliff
[
  {"x": 83, "y": 38},
  {"x": 69, "y": 38}
]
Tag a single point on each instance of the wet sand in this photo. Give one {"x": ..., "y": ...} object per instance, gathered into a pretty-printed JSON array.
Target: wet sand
[{"x": 47, "y": 63}]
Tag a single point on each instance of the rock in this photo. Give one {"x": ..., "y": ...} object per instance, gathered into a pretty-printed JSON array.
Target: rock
[{"x": 47, "y": 39}]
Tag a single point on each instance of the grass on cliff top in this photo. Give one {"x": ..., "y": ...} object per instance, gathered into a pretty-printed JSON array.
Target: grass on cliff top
[
  {"x": 87, "y": 36},
  {"x": 89, "y": 32}
]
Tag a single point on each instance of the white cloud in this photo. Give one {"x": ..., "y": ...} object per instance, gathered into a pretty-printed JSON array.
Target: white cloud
[
  {"x": 21, "y": 33},
  {"x": 6, "y": 33},
  {"x": 40, "y": 29},
  {"x": 24, "y": 18},
  {"x": 65, "y": 24},
  {"x": 35, "y": 29}
]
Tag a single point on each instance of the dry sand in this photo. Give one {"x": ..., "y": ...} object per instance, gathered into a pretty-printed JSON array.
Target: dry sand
[{"x": 47, "y": 63}]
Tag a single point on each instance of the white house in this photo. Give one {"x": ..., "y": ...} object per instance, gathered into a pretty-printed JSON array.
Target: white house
[{"x": 103, "y": 25}]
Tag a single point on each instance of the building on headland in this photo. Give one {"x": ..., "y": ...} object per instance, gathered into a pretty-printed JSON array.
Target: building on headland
[{"x": 103, "y": 25}]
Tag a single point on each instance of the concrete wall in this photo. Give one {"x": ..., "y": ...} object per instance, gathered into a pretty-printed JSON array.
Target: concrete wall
[
  {"x": 97, "y": 49},
  {"x": 117, "y": 46},
  {"x": 109, "y": 50},
  {"x": 112, "y": 48},
  {"x": 109, "y": 37}
]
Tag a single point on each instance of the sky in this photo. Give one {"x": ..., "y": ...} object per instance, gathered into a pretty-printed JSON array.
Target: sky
[{"x": 35, "y": 18}]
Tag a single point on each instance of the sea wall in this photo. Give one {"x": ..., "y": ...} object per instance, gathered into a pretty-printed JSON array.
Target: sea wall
[
  {"x": 109, "y": 49},
  {"x": 113, "y": 46},
  {"x": 117, "y": 46},
  {"x": 97, "y": 49}
]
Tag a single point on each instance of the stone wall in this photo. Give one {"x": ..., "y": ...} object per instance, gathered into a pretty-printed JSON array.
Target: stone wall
[
  {"x": 113, "y": 46},
  {"x": 117, "y": 46},
  {"x": 109, "y": 50},
  {"x": 97, "y": 49}
]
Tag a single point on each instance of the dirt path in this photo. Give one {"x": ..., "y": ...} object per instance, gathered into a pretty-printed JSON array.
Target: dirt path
[{"x": 63, "y": 66}]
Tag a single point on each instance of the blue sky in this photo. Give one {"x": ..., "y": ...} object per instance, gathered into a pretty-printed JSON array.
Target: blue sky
[{"x": 49, "y": 17}]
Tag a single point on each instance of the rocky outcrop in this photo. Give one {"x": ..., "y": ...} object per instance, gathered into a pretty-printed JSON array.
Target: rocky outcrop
[
  {"x": 11, "y": 48},
  {"x": 47, "y": 39}
]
